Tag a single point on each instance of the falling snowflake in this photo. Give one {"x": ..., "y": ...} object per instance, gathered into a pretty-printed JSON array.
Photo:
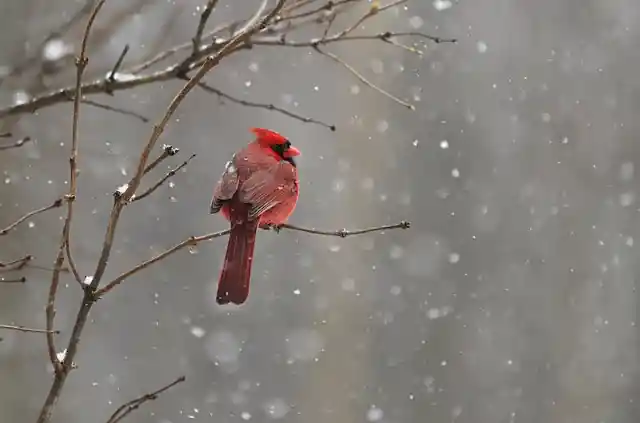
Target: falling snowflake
[
  {"x": 56, "y": 49},
  {"x": 441, "y": 5},
  {"x": 374, "y": 414},
  {"x": 416, "y": 22},
  {"x": 276, "y": 408},
  {"x": 197, "y": 331}
]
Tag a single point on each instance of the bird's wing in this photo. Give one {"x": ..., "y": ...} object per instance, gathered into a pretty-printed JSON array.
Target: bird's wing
[
  {"x": 226, "y": 186},
  {"x": 266, "y": 188}
]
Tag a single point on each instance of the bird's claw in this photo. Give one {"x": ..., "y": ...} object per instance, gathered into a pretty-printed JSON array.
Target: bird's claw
[{"x": 270, "y": 226}]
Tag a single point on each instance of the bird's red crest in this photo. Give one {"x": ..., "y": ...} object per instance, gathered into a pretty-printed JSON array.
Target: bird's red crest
[{"x": 267, "y": 137}]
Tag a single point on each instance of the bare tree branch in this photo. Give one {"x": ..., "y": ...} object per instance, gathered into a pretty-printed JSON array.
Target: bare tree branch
[
  {"x": 116, "y": 110},
  {"x": 15, "y": 264},
  {"x": 362, "y": 79},
  {"x": 194, "y": 240},
  {"x": 127, "y": 408},
  {"x": 21, "y": 279},
  {"x": 157, "y": 185},
  {"x": 50, "y": 312},
  {"x": 111, "y": 78},
  {"x": 119, "y": 110},
  {"x": 267, "y": 106},
  {"x": 26, "y": 329},
  {"x": 332, "y": 19},
  {"x": 343, "y": 233},
  {"x": 19, "y": 143},
  {"x": 374, "y": 9},
  {"x": 62, "y": 369},
  {"x": 204, "y": 17},
  {"x": 167, "y": 151},
  {"x": 81, "y": 64},
  {"x": 328, "y": 6},
  {"x": 19, "y": 264},
  {"x": 191, "y": 241},
  {"x": 384, "y": 36},
  {"x": 57, "y": 203},
  {"x": 280, "y": 24}
]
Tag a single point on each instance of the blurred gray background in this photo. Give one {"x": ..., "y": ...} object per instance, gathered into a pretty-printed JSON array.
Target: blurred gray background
[{"x": 511, "y": 299}]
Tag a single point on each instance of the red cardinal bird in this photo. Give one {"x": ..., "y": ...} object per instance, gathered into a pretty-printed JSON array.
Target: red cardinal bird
[{"x": 259, "y": 188}]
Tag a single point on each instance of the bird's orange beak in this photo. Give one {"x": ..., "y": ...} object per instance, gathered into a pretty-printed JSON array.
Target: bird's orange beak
[{"x": 292, "y": 152}]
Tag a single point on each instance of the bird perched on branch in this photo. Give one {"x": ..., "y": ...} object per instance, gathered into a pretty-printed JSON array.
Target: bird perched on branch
[{"x": 259, "y": 188}]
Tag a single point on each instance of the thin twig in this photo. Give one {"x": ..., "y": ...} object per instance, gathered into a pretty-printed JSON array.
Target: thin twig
[
  {"x": 26, "y": 329},
  {"x": 157, "y": 185},
  {"x": 116, "y": 110},
  {"x": 204, "y": 17},
  {"x": 191, "y": 241},
  {"x": 180, "y": 47},
  {"x": 343, "y": 233},
  {"x": 21, "y": 279},
  {"x": 19, "y": 143},
  {"x": 362, "y": 79},
  {"x": 15, "y": 264},
  {"x": 50, "y": 312},
  {"x": 61, "y": 369},
  {"x": 388, "y": 34},
  {"x": 315, "y": 15},
  {"x": 127, "y": 408},
  {"x": 57, "y": 203},
  {"x": 119, "y": 110},
  {"x": 267, "y": 106},
  {"x": 72, "y": 265},
  {"x": 373, "y": 10},
  {"x": 396, "y": 43},
  {"x": 167, "y": 151},
  {"x": 383, "y": 36},
  {"x": 21, "y": 261},
  {"x": 160, "y": 57},
  {"x": 332, "y": 19},
  {"x": 112, "y": 74},
  {"x": 46, "y": 268}
]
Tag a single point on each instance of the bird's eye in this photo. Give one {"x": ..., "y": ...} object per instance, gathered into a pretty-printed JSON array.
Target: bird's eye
[{"x": 287, "y": 144}]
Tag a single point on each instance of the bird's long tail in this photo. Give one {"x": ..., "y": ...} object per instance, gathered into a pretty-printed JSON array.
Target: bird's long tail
[{"x": 233, "y": 285}]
